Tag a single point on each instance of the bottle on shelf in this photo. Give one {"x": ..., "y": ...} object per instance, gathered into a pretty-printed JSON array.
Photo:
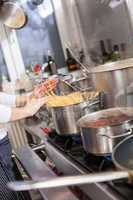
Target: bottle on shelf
[
  {"x": 52, "y": 67},
  {"x": 109, "y": 48},
  {"x": 123, "y": 50},
  {"x": 70, "y": 61},
  {"x": 115, "y": 56},
  {"x": 105, "y": 55}
]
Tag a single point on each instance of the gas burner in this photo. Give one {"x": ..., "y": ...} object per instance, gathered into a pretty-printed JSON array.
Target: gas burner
[
  {"x": 99, "y": 163},
  {"x": 72, "y": 146},
  {"x": 65, "y": 143}
]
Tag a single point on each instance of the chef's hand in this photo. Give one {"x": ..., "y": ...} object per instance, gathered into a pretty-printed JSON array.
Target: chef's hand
[
  {"x": 28, "y": 110},
  {"x": 38, "y": 92},
  {"x": 44, "y": 88},
  {"x": 33, "y": 106}
]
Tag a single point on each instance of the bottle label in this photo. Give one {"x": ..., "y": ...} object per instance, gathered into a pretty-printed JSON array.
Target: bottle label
[{"x": 74, "y": 66}]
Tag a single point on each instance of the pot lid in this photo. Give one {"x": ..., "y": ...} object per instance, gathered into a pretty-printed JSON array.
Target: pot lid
[
  {"x": 12, "y": 15},
  {"x": 111, "y": 66},
  {"x": 107, "y": 117}
]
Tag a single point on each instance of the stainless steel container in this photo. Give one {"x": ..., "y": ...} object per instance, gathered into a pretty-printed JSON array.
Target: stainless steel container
[
  {"x": 68, "y": 84},
  {"x": 116, "y": 80},
  {"x": 63, "y": 88},
  {"x": 65, "y": 118},
  {"x": 101, "y": 140},
  {"x": 83, "y": 83}
]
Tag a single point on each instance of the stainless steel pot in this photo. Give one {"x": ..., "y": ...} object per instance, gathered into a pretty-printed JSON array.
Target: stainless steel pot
[
  {"x": 65, "y": 118},
  {"x": 83, "y": 84},
  {"x": 67, "y": 84},
  {"x": 64, "y": 87},
  {"x": 101, "y": 140},
  {"x": 115, "y": 79}
]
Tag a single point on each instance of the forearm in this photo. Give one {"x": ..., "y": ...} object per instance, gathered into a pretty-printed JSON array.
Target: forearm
[
  {"x": 19, "y": 113},
  {"x": 29, "y": 110},
  {"x": 22, "y": 100},
  {"x": 9, "y": 114}
]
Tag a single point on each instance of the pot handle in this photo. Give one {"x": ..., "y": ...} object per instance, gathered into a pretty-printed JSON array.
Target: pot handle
[
  {"x": 90, "y": 104},
  {"x": 117, "y": 136},
  {"x": 70, "y": 77}
]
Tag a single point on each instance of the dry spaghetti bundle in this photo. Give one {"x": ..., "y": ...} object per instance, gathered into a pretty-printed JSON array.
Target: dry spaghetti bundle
[{"x": 71, "y": 99}]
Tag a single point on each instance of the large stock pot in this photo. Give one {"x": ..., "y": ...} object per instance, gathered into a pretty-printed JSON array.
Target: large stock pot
[
  {"x": 102, "y": 130},
  {"x": 116, "y": 80},
  {"x": 65, "y": 118}
]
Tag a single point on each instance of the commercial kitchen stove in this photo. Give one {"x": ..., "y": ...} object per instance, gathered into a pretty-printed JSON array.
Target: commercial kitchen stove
[{"x": 69, "y": 157}]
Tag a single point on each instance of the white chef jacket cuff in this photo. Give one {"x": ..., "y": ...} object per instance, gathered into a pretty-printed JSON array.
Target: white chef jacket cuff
[
  {"x": 7, "y": 99},
  {"x": 5, "y": 114}
]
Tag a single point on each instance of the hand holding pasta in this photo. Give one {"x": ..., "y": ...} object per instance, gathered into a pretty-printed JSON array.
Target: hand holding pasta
[{"x": 46, "y": 88}]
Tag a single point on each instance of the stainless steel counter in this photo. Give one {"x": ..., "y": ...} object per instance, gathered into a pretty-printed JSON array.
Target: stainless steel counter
[
  {"x": 69, "y": 167},
  {"x": 38, "y": 170}
]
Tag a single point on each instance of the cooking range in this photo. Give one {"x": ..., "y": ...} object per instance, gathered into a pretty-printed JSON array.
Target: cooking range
[{"x": 69, "y": 157}]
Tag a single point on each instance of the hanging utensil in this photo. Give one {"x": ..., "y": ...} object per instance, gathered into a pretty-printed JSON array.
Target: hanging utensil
[
  {"x": 12, "y": 15},
  {"x": 122, "y": 158}
]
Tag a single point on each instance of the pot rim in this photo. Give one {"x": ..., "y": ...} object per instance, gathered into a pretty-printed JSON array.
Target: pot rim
[
  {"x": 80, "y": 79},
  {"x": 113, "y": 66},
  {"x": 112, "y": 126},
  {"x": 82, "y": 124}
]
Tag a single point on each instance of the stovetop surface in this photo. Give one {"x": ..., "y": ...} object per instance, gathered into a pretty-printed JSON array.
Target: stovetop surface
[{"x": 72, "y": 147}]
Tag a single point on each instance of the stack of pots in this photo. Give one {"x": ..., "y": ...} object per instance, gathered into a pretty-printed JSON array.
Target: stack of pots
[{"x": 115, "y": 80}]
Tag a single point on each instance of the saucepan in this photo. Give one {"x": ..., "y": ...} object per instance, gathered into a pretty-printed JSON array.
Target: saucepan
[{"x": 122, "y": 157}]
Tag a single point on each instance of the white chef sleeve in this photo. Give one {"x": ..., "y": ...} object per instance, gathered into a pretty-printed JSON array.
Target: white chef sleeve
[
  {"x": 7, "y": 99},
  {"x": 5, "y": 113}
]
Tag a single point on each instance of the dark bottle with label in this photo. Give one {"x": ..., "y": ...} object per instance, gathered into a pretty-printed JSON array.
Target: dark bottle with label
[
  {"x": 116, "y": 53},
  {"x": 52, "y": 67},
  {"x": 109, "y": 48},
  {"x": 70, "y": 61},
  {"x": 105, "y": 55}
]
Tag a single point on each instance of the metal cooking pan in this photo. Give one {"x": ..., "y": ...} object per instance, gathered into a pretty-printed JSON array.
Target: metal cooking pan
[
  {"x": 115, "y": 79},
  {"x": 101, "y": 131},
  {"x": 12, "y": 15},
  {"x": 122, "y": 158}
]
